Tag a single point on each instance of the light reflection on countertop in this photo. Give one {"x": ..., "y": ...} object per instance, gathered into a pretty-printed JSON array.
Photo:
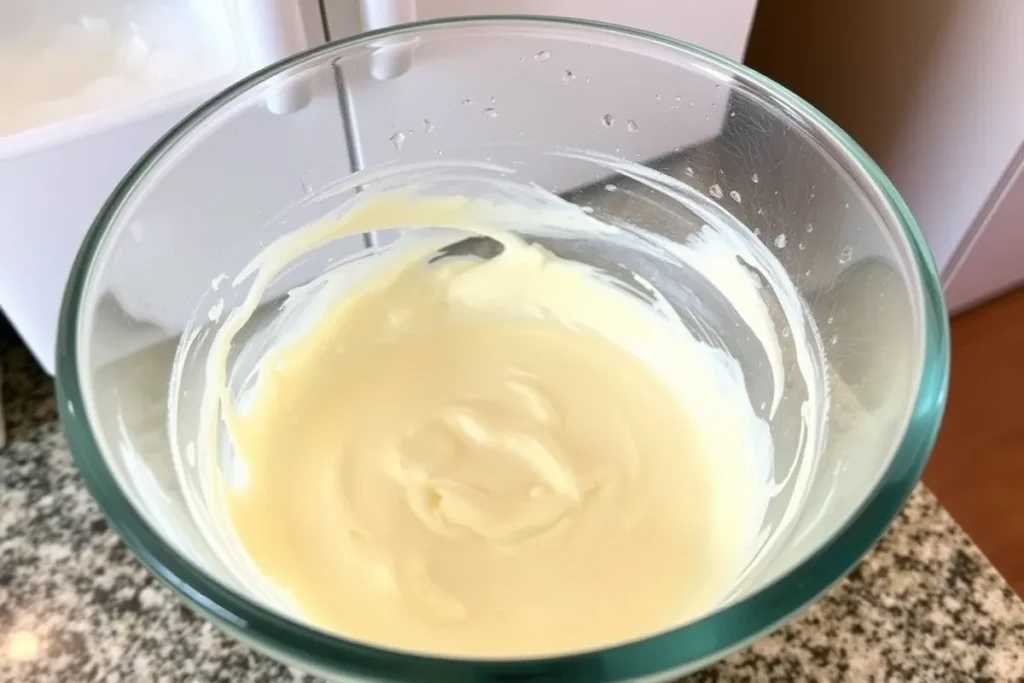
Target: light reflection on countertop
[{"x": 22, "y": 646}]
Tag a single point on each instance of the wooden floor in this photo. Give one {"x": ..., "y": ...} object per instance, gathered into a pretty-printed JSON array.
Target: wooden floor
[{"x": 977, "y": 470}]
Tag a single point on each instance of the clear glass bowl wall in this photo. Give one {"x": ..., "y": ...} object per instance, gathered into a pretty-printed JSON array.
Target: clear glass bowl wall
[{"x": 515, "y": 93}]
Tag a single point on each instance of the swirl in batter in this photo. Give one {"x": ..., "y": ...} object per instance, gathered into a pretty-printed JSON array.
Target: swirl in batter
[{"x": 500, "y": 457}]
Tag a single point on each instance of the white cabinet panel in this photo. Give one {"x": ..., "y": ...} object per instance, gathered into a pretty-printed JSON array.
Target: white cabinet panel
[
  {"x": 992, "y": 261},
  {"x": 575, "y": 96},
  {"x": 711, "y": 24}
]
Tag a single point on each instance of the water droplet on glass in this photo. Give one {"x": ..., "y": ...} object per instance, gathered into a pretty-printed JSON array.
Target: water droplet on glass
[
  {"x": 785, "y": 332},
  {"x": 830, "y": 320},
  {"x": 810, "y": 227},
  {"x": 735, "y": 196},
  {"x": 845, "y": 254},
  {"x": 520, "y": 60},
  {"x": 493, "y": 99},
  {"x": 397, "y": 140},
  {"x": 607, "y": 120},
  {"x": 757, "y": 232},
  {"x": 568, "y": 76},
  {"x": 610, "y": 187},
  {"x": 488, "y": 157},
  {"x": 467, "y": 102},
  {"x": 846, "y": 205},
  {"x": 689, "y": 171},
  {"x": 715, "y": 191},
  {"x": 657, "y": 96},
  {"x": 307, "y": 189},
  {"x": 754, "y": 179},
  {"x": 631, "y": 126},
  {"x": 679, "y": 98},
  {"x": 587, "y": 209},
  {"x": 542, "y": 56},
  {"x": 427, "y": 126},
  {"x": 780, "y": 241},
  {"x": 833, "y": 340},
  {"x": 801, "y": 246},
  {"x": 491, "y": 113},
  {"x": 807, "y": 273}
]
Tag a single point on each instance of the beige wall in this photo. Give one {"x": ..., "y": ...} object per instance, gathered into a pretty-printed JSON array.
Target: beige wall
[
  {"x": 933, "y": 89},
  {"x": 859, "y": 61}
]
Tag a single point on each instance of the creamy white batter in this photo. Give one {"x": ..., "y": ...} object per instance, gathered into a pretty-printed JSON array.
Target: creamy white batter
[{"x": 499, "y": 458}]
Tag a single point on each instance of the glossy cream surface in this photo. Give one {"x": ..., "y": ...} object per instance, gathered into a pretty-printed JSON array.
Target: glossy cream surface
[{"x": 494, "y": 457}]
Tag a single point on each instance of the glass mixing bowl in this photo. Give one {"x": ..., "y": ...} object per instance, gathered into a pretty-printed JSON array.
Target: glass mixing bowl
[{"x": 638, "y": 128}]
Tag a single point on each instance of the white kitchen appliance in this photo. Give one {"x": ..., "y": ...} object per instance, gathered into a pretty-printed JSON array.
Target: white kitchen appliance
[{"x": 88, "y": 85}]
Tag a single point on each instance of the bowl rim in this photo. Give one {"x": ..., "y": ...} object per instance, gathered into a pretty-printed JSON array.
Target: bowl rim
[{"x": 689, "y": 646}]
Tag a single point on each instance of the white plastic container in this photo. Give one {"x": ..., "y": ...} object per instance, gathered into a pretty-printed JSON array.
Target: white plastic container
[
  {"x": 72, "y": 69},
  {"x": 88, "y": 86}
]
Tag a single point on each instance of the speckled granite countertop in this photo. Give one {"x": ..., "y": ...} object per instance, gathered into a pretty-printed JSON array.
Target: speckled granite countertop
[{"x": 76, "y": 606}]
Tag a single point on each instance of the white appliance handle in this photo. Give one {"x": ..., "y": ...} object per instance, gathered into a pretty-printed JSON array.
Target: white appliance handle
[
  {"x": 390, "y": 60},
  {"x": 274, "y": 31}
]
